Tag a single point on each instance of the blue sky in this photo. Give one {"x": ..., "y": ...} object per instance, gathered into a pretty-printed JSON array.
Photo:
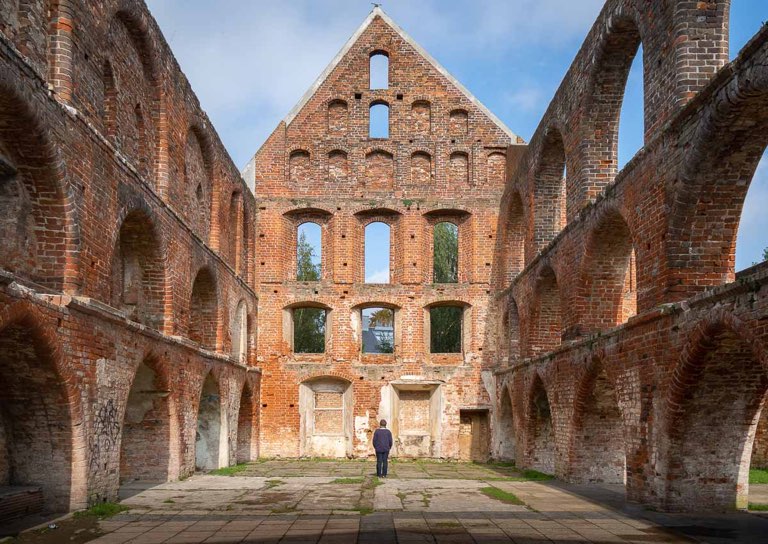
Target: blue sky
[{"x": 251, "y": 61}]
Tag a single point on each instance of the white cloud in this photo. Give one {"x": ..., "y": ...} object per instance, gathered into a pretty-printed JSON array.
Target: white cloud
[
  {"x": 525, "y": 99},
  {"x": 378, "y": 276}
]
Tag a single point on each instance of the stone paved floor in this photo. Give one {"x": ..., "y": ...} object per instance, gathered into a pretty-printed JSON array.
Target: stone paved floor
[{"x": 293, "y": 502}]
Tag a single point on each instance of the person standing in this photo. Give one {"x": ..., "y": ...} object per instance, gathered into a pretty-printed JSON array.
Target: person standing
[{"x": 382, "y": 443}]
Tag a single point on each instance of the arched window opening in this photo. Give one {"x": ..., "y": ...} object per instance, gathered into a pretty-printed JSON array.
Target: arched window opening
[
  {"x": 378, "y": 330},
  {"x": 421, "y": 168},
  {"x": 458, "y": 169},
  {"x": 752, "y": 242},
  {"x": 613, "y": 101},
  {"x": 338, "y": 116},
  {"x": 541, "y": 433},
  {"x": 309, "y": 325},
  {"x": 240, "y": 332},
  {"x": 309, "y": 252},
  {"x": 609, "y": 280},
  {"x": 210, "y": 429},
  {"x": 458, "y": 123},
  {"x": 549, "y": 190},
  {"x": 145, "y": 446},
  {"x": 446, "y": 329},
  {"x": 379, "y": 70},
  {"x": 138, "y": 275},
  {"x": 632, "y": 116},
  {"x": 445, "y": 253},
  {"x": 203, "y": 309},
  {"x": 377, "y": 252},
  {"x": 378, "y": 120},
  {"x": 421, "y": 117},
  {"x": 598, "y": 449},
  {"x": 546, "y": 319}
]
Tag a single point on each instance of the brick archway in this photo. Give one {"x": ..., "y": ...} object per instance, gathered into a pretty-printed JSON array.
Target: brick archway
[
  {"x": 40, "y": 412},
  {"x": 712, "y": 411},
  {"x": 37, "y": 230},
  {"x": 540, "y": 435},
  {"x": 597, "y": 449},
  {"x": 146, "y": 448}
]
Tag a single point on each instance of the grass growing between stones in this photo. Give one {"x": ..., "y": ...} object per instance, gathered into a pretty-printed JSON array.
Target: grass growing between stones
[
  {"x": 229, "y": 471},
  {"x": 755, "y": 507},
  {"x": 102, "y": 510},
  {"x": 273, "y": 483},
  {"x": 501, "y": 495},
  {"x": 758, "y": 476},
  {"x": 348, "y": 481}
]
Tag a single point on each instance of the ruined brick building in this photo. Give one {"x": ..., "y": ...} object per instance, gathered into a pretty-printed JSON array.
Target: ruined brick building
[{"x": 150, "y": 293}]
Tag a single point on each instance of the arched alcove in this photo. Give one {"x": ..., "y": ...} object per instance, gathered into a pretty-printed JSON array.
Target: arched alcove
[
  {"x": 146, "y": 442},
  {"x": 203, "y": 310},
  {"x": 541, "y": 432},
  {"x": 209, "y": 438},
  {"x": 597, "y": 448}
]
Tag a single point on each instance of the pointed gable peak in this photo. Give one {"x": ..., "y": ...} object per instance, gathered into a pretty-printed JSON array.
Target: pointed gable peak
[{"x": 377, "y": 12}]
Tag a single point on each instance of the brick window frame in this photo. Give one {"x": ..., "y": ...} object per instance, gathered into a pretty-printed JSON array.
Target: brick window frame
[
  {"x": 389, "y": 217},
  {"x": 466, "y": 332},
  {"x": 288, "y": 330},
  {"x": 357, "y": 324},
  {"x": 293, "y": 219},
  {"x": 463, "y": 221}
]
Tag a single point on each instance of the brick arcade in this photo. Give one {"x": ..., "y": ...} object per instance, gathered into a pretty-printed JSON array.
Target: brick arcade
[{"x": 149, "y": 290}]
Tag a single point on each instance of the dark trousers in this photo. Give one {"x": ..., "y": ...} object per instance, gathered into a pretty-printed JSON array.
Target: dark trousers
[{"x": 381, "y": 463}]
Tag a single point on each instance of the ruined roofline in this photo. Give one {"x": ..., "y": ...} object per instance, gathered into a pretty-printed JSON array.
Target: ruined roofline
[{"x": 378, "y": 12}]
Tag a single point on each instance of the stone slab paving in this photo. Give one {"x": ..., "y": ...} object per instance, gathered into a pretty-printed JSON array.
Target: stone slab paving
[{"x": 341, "y": 502}]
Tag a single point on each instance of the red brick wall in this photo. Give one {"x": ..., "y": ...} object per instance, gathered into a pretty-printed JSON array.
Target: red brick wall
[
  {"x": 98, "y": 273},
  {"x": 344, "y": 180},
  {"x": 676, "y": 389}
]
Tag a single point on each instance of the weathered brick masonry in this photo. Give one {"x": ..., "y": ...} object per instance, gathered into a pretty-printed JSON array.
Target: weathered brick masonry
[
  {"x": 605, "y": 334},
  {"x": 126, "y": 241},
  {"x": 444, "y": 160},
  {"x": 629, "y": 339}
]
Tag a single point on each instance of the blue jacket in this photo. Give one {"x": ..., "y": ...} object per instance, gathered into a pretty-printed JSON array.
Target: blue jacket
[{"x": 382, "y": 440}]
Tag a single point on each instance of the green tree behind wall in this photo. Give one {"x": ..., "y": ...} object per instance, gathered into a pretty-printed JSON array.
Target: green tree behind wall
[
  {"x": 445, "y": 329},
  {"x": 308, "y": 323},
  {"x": 446, "y": 253},
  {"x": 306, "y": 269}
]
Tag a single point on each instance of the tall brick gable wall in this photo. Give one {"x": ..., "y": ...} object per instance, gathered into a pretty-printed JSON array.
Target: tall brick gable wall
[{"x": 444, "y": 160}]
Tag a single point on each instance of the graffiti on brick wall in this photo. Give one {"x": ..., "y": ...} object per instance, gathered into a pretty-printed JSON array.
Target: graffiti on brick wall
[{"x": 106, "y": 432}]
